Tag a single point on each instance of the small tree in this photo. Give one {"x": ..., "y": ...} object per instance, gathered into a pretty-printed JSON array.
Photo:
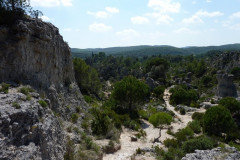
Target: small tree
[
  {"x": 218, "y": 120},
  {"x": 129, "y": 92},
  {"x": 231, "y": 104},
  {"x": 36, "y": 14},
  {"x": 160, "y": 119}
]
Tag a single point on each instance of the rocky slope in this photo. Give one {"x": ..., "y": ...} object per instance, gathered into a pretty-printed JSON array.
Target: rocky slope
[
  {"x": 228, "y": 153},
  {"x": 28, "y": 130},
  {"x": 33, "y": 53}
]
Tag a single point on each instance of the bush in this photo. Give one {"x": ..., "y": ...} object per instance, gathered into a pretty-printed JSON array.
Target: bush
[
  {"x": 170, "y": 143},
  {"x": 218, "y": 120},
  {"x": 5, "y": 87},
  {"x": 182, "y": 111},
  {"x": 16, "y": 105},
  {"x": 195, "y": 126},
  {"x": 180, "y": 95},
  {"x": 231, "y": 104},
  {"x": 201, "y": 143},
  {"x": 24, "y": 90},
  {"x": 143, "y": 114},
  {"x": 184, "y": 134},
  {"x": 197, "y": 116},
  {"x": 158, "y": 92},
  {"x": 101, "y": 122},
  {"x": 42, "y": 103},
  {"x": 161, "y": 118},
  {"x": 74, "y": 117}
]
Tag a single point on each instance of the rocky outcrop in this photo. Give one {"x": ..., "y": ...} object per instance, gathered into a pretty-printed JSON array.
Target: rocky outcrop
[
  {"x": 228, "y": 153},
  {"x": 27, "y": 130},
  {"x": 151, "y": 83},
  {"x": 186, "y": 108},
  {"x": 33, "y": 52},
  {"x": 226, "y": 87},
  {"x": 226, "y": 61}
]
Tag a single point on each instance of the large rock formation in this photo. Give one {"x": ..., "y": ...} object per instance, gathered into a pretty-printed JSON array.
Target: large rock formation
[
  {"x": 33, "y": 52},
  {"x": 226, "y": 87}
]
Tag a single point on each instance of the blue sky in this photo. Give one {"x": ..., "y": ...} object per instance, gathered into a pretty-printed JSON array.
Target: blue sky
[{"x": 110, "y": 23}]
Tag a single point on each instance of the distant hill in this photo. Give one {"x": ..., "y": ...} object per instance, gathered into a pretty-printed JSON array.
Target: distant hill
[{"x": 151, "y": 50}]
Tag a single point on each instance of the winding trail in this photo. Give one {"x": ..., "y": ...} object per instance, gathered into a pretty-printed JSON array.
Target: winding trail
[{"x": 128, "y": 148}]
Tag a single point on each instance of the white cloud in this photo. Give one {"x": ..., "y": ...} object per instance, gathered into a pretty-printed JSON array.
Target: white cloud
[
  {"x": 104, "y": 14},
  {"x": 197, "y": 17},
  {"x": 66, "y": 2},
  {"x": 99, "y": 14},
  {"x": 208, "y": 1},
  {"x": 45, "y": 18},
  {"x": 51, "y": 3},
  {"x": 164, "y": 6},
  {"x": 185, "y": 31},
  {"x": 112, "y": 10},
  {"x": 161, "y": 18},
  {"x": 139, "y": 20},
  {"x": 99, "y": 27},
  {"x": 161, "y": 10},
  {"x": 235, "y": 15}
]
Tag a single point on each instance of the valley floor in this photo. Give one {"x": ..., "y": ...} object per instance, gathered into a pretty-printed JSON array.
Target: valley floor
[{"x": 128, "y": 148}]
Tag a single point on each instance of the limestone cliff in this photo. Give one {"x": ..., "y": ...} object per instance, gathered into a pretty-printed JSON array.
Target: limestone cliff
[{"x": 33, "y": 53}]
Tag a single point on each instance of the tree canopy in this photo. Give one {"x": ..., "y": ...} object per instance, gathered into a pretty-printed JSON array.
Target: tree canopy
[
  {"x": 129, "y": 92},
  {"x": 218, "y": 120}
]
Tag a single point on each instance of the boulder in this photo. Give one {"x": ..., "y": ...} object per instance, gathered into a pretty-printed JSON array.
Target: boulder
[
  {"x": 186, "y": 108},
  {"x": 151, "y": 83},
  {"x": 207, "y": 105}
]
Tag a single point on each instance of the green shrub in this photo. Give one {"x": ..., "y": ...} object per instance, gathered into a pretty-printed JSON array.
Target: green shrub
[
  {"x": 139, "y": 151},
  {"x": 195, "y": 126},
  {"x": 201, "y": 143},
  {"x": 231, "y": 104},
  {"x": 182, "y": 111},
  {"x": 170, "y": 143},
  {"x": 88, "y": 99},
  {"x": 218, "y": 120},
  {"x": 25, "y": 90},
  {"x": 159, "y": 119},
  {"x": 143, "y": 114},
  {"x": 158, "y": 92},
  {"x": 184, "y": 134},
  {"x": 16, "y": 105},
  {"x": 42, "y": 103},
  {"x": 5, "y": 87},
  {"x": 197, "y": 116},
  {"x": 180, "y": 95},
  {"x": 74, "y": 117},
  {"x": 101, "y": 122}
]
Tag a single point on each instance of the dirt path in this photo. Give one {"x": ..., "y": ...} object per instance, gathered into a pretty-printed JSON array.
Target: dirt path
[{"x": 128, "y": 148}]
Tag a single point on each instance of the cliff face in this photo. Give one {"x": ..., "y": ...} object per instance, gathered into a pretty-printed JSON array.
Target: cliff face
[{"x": 33, "y": 53}]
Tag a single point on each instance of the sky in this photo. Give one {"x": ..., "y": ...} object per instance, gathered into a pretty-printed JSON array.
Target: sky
[{"x": 112, "y": 23}]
